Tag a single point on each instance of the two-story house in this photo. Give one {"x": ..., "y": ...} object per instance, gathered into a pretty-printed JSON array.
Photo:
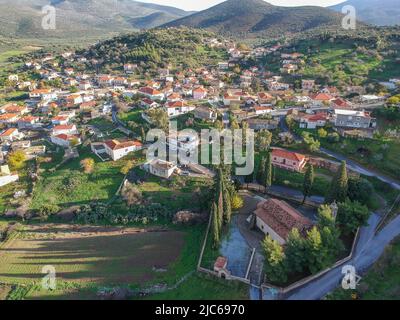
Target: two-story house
[{"x": 353, "y": 119}]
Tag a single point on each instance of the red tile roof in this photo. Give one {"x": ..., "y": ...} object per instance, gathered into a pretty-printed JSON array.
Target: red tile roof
[
  {"x": 8, "y": 116},
  {"x": 64, "y": 127},
  {"x": 28, "y": 119},
  {"x": 8, "y": 132},
  {"x": 176, "y": 104},
  {"x": 199, "y": 89},
  {"x": 281, "y": 217},
  {"x": 340, "y": 103},
  {"x": 220, "y": 263},
  {"x": 288, "y": 155},
  {"x": 321, "y": 97},
  {"x": 116, "y": 144},
  {"x": 148, "y": 90}
]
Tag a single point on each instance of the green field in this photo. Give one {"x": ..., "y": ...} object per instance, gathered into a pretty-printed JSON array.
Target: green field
[
  {"x": 179, "y": 193},
  {"x": 69, "y": 185},
  {"x": 344, "y": 61},
  {"x": 201, "y": 287}
]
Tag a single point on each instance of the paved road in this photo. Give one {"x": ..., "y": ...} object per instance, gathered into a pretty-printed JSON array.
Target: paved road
[
  {"x": 351, "y": 164},
  {"x": 361, "y": 169},
  {"x": 370, "y": 247}
]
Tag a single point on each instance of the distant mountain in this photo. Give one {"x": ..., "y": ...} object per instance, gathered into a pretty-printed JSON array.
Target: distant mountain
[
  {"x": 258, "y": 18},
  {"x": 378, "y": 12},
  {"x": 76, "y": 18}
]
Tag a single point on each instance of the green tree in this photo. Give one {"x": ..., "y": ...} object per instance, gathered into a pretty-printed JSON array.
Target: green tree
[
  {"x": 127, "y": 167},
  {"x": 316, "y": 256},
  {"x": 143, "y": 134},
  {"x": 16, "y": 160},
  {"x": 237, "y": 202},
  {"x": 352, "y": 215},
  {"x": 87, "y": 165},
  {"x": 296, "y": 251},
  {"x": 268, "y": 171},
  {"x": 339, "y": 185},
  {"x": 332, "y": 245},
  {"x": 275, "y": 266},
  {"x": 330, "y": 233},
  {"x": 322, "y": 133},
  {"x": 263, "y": 140},
  {"x": 74, "y": 142},
  {"x": 360, "y": 190},
  {"x": 290, "y": 122},
  {"x": 261, "y": 171},
  {"x": 220, "y": 209},
  {"x": 308, "y": 182},
  {"x": 159, "y": 118},
  {"x": 313, "y": 145},
  {"x": 215, "y": 225},
  {"x": 227, "y": 207}
]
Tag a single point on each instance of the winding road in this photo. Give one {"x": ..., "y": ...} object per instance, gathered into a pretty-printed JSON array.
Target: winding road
[
  {"x": 369, "y": 248},
  {"x": 354, "y": 166},
  {"x": 351, "y": 164}
]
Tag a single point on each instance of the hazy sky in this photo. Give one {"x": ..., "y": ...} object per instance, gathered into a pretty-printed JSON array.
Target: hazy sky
[{"x": 204, "y": 4}]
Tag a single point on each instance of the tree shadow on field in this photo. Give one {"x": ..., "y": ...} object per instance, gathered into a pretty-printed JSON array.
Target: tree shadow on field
[{"x": 102, "y": 259}]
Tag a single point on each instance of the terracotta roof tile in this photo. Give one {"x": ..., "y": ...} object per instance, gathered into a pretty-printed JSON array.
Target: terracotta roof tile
[{"x": 281, "y": 217}]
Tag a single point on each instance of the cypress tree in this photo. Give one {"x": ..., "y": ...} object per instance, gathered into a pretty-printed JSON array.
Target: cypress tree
[
  {"x": 339, "y": 185},
  {"x": 220, "y": 211},
  {"x": 308, "y": 181},
  {"x": 261, "y": 171},
  {"x": 215, "y": 225},
  {"x": 268, "y": 171},
  {"x": 227, "y": 207}
]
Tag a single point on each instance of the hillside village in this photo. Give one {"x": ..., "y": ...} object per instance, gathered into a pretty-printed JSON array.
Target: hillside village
[{"x": 69, "y": 109}]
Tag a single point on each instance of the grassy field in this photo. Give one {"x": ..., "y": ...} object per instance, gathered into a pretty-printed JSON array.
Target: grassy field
[
  {"x": 176, "y": 194},
  {"x": 7, "y": 192},
  {"x": 382, "y": 282},
  {"x": 344, "y": 63},
  {"x": 69, "y": 185},
  {"x": 84, "y": 256},
  {"x": 201, "y": 287}
]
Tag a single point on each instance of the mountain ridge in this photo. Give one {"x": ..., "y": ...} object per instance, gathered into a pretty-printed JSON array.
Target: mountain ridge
[
  {"x": 75, "y": 18},
  {"x": 257, "y": 17}
]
